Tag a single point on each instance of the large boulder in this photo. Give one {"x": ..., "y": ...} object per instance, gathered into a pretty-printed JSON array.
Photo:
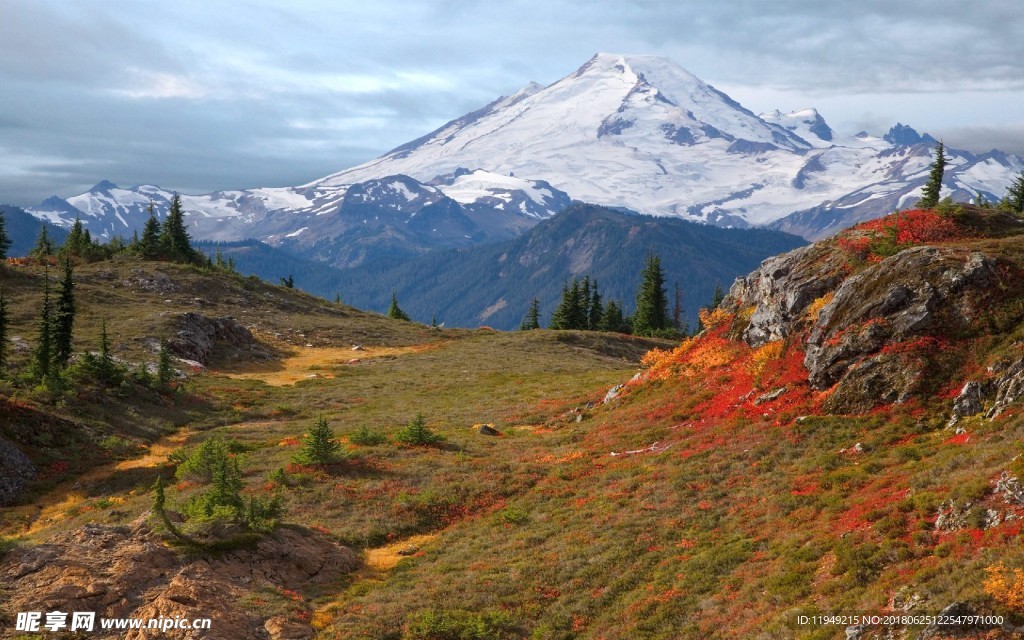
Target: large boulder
[
  {"x": 782, "y": 288},
  {"x": 127, "y": 571},
  {"x": 875, "y": 316},
  {"x": 198, "y": 335}
]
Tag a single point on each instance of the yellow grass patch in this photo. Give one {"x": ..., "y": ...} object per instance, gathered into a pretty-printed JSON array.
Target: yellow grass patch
[
  {"x": 305, "y": 363},
  {"x": 386, "y": 558}
]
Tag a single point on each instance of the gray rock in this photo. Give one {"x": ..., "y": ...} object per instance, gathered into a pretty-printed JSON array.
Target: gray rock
[
  {"x": 899, "y": 299},
  {"x": 969, "y": 402},
  {"x": 613, "y": 393},
  {"x": 781, "y": 289},
  {"x": 1008, "y": 386},
  {"x": 954, "y": 610},
  {"x": 197, "y": 335},
  {"x": 771, "y": 395},
  {"x": 1009, "y": 487},
  {"x": 952, "y": 516},
  {"x": 488, "y": 430}
]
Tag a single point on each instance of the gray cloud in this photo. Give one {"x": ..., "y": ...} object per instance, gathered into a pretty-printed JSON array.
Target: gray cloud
[{"x": 233, "y": 95}]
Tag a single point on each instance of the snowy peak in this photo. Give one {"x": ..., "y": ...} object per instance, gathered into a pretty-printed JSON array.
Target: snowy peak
[
  {"x": 630, "y": 132},
  {"x": 805, "y": 123}
]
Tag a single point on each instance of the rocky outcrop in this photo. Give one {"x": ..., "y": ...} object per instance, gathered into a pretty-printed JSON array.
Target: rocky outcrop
[
  {"x": 126, "y": 571},
  {"x": 18, "y": 471},
  {"x": 969, "y": 402},
  {"x": 883, "y": 334},
  {"x": 782, "y": 288},
  {"x": 1007, "y": 386},
  {"x": 859, "y": 337},
  {"x": 197, "y": 335}
]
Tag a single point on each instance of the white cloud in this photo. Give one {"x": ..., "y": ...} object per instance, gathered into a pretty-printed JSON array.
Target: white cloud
[{"x": 154, "y": 85}]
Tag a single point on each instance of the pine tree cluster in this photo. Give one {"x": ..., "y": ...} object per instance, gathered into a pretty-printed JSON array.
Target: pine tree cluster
[{"x": 582, "y": 308}]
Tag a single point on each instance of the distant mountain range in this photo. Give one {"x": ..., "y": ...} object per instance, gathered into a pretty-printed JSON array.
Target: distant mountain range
[
  {"x": 631, "y": 132},
  {"x": 493, "y": 284},
  {"x": 394, "y": 216}
]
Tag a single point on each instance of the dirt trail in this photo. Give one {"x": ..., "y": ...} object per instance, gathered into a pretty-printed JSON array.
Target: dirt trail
[
  {"x": 376, "y": 562},
  {"x": 306, "y": 363}
]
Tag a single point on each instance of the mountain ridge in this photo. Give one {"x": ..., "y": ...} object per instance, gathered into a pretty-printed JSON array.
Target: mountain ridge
[{"x": 633, "y": 132}]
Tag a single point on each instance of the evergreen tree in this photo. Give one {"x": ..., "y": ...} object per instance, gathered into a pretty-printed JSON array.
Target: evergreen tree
[
  {"x": 164, "y": 370},
  {"x": 42, "y": 356},
  {"x": 160, "y": 510},
  {"x": 612, "y": 320},
  {"x": 5, "y": 240},
  {"x": 570, "y": 313},
  {"x": 717, "y": 297},
  {"x": 596, "y": 311},
  {"x": 149, "y": 244},
  {"x": 102, "y": 368},
  {"x": 319, "y": 446},
  {"x": 417, "y": 433},
  {"x": 4, "y": 321},
  {"x": 578, "y": 306},
  {"x": 64, "y": 317},
  {"x": 44, "y": 247},
  {"x": 651, "y": 300},
  {"x": 175, "y": 243},
  {"x": 560, "y": 318},
  {"x": 532, "y": 320},
  {"x": 77, "y": 243},
  {"x": 1015, "y": 195},
  {"x": 930, "y": 194},
  {"x": 677, "y": 311},
  {"x": 394, "y": 311}
]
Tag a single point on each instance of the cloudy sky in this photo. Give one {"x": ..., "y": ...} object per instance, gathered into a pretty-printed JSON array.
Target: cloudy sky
[{"x": 204, "y": 95}]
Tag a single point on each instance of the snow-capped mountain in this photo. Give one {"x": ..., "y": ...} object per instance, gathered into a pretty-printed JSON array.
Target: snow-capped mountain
[
  {"x": 343, "y": 224},
  {"x": 630, "y": 132},
  {"x": 642, "y": 133}
]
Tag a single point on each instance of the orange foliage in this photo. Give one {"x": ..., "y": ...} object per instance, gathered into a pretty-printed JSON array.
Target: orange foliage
[
  {"x": 761, "y": 356},
  {"x": 712, "y": 318},
  {"x": 814, "y": 309},
  {"x": 1005, "y": 586},
  {"x": 740, "y": 378}
]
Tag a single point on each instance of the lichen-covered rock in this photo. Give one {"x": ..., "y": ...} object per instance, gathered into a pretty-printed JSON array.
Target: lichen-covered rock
[
  {"x": 782, "y": 288},
  {"x": 1009, "y": 487},
  {"x": 969, "y": 402},
  {"x": 18, "y": 471},
  {"x": 1008, "y": 385},
  {"x": 197, "y": 335},
  {"x": 875, "y": 315},
  {"x": 952, "y": 516}
]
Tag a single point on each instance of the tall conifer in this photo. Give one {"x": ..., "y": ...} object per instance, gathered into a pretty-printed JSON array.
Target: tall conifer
[
  {"x": 532, "y": 320},
  {"x": 4, "y": 321},
  {"x": 651, "y": 300},
  {"x": 64, "y": 316},
  {"x": 42, "y": 356},
  {"x": 5, "y": 240},
  {"x": 932, "y": 188},
  {"x": 149, "y": 244}
]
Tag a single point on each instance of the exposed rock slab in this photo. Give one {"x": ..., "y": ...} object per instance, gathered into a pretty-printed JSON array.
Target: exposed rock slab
[{"x": 127, "y": 571}]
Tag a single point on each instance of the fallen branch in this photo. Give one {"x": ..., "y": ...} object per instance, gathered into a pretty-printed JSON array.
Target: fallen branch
[{"x": 654, "y": 448}]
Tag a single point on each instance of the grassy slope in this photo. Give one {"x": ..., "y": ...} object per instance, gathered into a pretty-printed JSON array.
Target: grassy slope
[
  {"x": 727, "y": 520},
  {"x": 729, "y": 526}
]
